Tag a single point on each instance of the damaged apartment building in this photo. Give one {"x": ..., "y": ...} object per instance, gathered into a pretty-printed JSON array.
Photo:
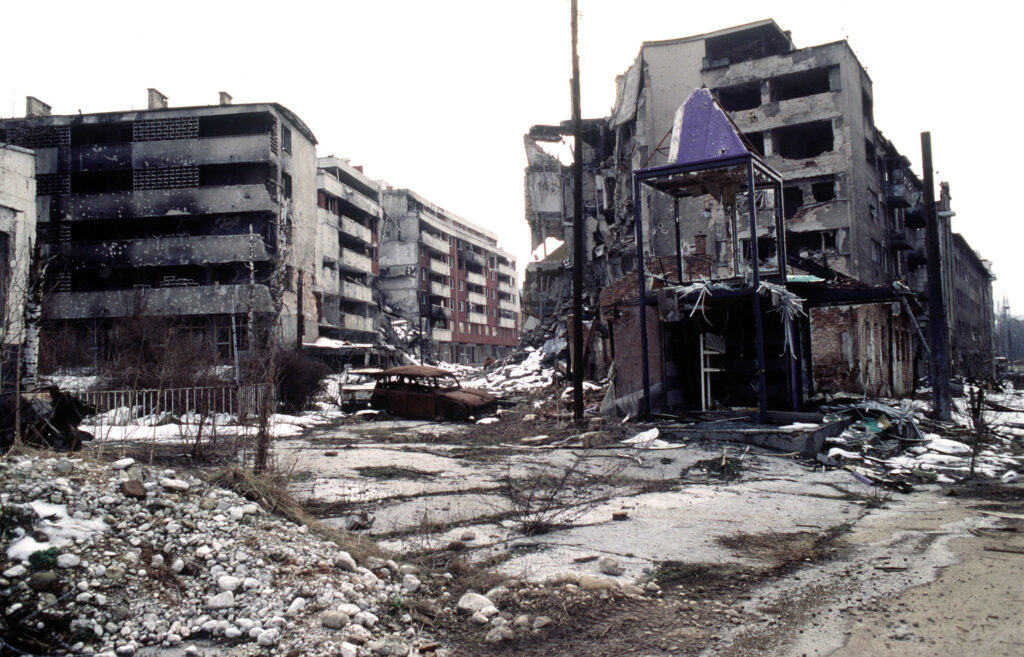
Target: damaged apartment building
[
  {"x": 204, "y": 214},
  {"x": 17, "y": 244},
  {"x": 853, "y": 211},
  {"x": 449, "y": 279},
  {"x": 349, "y": 216}
]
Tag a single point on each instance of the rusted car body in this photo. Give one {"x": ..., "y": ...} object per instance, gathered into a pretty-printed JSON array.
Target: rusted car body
[{"x": 428, "y": 393}]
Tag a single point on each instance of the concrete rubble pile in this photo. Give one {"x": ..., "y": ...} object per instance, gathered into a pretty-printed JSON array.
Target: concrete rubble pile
[
  {"x": 108, "y": 560},
  {"x": 530, "y": 368}
]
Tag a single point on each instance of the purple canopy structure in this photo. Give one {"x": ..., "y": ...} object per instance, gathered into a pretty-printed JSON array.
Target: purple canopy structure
[{"x": 708, "y": 152}]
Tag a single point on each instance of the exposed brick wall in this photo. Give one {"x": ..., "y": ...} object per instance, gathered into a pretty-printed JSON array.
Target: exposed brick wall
[{"x": 852, "y": 348}]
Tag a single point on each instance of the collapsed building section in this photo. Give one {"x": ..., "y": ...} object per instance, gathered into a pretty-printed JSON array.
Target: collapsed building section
[{"x": 852, "y": 207}]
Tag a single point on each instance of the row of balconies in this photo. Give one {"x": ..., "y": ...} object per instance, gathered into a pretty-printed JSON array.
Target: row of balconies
[
  {"x": 197, "y": 151},
  {"x": 156, "y": 251},
  {"x": 229, "y": 199},
  {"x": 200, "y": 300}
]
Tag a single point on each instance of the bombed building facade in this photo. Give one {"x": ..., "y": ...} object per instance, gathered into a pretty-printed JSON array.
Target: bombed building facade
[
  {"x": 852, "y": 208},
  {"x": 449, "y": 278},
  {"x": 195, "y": 213},
  {"x": 349, "y": 216},
  {"x": 211, "y": 217},
  {"x": 17, "y": 245}
]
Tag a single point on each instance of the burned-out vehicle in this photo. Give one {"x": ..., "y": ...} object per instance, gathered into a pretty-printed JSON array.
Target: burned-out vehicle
[
  {"x": 428, "y": 393},
  {"x": 46, "y": 418}
]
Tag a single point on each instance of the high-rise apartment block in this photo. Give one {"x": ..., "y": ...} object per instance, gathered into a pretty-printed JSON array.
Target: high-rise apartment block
[{"x": 448, "y": 276}]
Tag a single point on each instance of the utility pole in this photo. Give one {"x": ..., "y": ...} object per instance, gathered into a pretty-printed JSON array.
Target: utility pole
[
  {"x": 577, "y": 229},
  {"x": 938, "y": 334}
]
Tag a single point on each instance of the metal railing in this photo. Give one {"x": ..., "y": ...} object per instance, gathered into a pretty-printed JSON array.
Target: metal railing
[{"x": 239, "y": 401}]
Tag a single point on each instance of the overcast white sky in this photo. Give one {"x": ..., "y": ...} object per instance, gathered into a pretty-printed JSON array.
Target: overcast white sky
[{"x": 436, "y": 95}]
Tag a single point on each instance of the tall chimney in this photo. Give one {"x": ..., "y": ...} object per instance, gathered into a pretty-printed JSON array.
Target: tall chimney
[
  {"x": 225, "y": 98},
  {"x": 157, "y": 100},
  {"x": 35, "y": 107}
]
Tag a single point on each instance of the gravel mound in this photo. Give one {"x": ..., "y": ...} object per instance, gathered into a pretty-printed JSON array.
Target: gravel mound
[{"x": 122, "y": 559}]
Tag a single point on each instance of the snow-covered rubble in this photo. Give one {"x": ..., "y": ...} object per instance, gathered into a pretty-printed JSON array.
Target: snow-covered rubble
[
  {"x": 876, "y": 444},
  {"x": 107, "y": 560},
  {"x": 535, "y": 371}
]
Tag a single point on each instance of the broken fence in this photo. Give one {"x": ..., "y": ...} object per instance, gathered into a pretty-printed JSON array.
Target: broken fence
[{"x": 239, "y": 401}]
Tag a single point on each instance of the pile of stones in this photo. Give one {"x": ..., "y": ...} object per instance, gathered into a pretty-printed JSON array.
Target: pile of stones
[{"x": 115, "y": 559}]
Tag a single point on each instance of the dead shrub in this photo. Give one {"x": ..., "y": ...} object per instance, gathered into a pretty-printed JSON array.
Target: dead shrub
[
  {"x": 298, "y": 379},
  {"x": 552, "y": 496}
]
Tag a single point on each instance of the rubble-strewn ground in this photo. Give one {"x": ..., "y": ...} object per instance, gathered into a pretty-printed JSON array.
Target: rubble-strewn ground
[{"x": 617, "y": 539}]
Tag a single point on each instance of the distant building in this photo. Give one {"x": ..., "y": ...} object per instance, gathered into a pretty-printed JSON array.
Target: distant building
[
  {"x": 17, "y": 242},
  {"x": 347, "y": 251},
  {"x": 162, "y": 212},
  {"x": 448, "y": 277}
]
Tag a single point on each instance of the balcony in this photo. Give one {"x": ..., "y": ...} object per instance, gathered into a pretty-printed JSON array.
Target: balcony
[
  {"x": 508, "y": 270},
  {"x": 915, "y": 217},
  {"x": 441, "y": 334},
  {"x": 435, "y": 243},
  {"x": 779, "y": 113},
  {"x": 476, "y": 298},
  {"x": 352, "y": 322},
  {"x": 506, "y": 322},
  {"x": 177, "y": 301},
  {"x": 899, "y": 194},
  {"x": 440, "y": 289},
  {"x": 333, "y": 186},
  {"x": 898, "y": 241},
  {"x": 473, "y": 259},
  {"x": 438, "y": 267},
  {"x": 476, "y": 318},
  {"x": 156, "y": 251},
  {"x": 506, "y": 304},
  {"x": 476, "y": 279},
  {"x": 163, "y": 202},
  {"x": 352, "y": 261},
  {"x": 506, "y": 288},
  {"x": 350, "y": 291},
  {"x": 355, "y": 230},
  {"x": 200, "y": 151}
]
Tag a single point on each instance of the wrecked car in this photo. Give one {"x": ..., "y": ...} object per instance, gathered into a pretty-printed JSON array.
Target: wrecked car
[
  {"x": 46, "y": 418},
  {"x": 428, "y": 393}
]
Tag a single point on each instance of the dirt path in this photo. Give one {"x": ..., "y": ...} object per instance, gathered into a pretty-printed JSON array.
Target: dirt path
[
  {"x": 972, "y": 608},
  {"x": 929, "y": 574}
]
